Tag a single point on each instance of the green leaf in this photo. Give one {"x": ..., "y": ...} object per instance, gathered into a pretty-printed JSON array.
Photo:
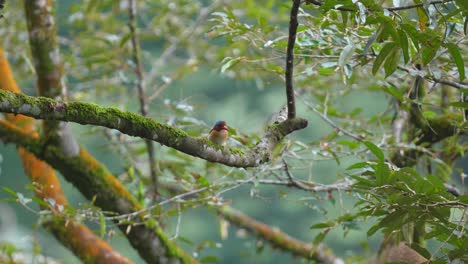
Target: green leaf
[
  {"x": 382, "y": 174},
  {"x": 275, "y": 68},
  {"x": 389, "y": 27},
  {"x": 455, "y": 53},
  {"x": 404, "y": 45},
  {"x": 358, "y": 165},
  {"x": 102, "y": 225},
  {"x": 442, "y": 171},
  {"x": 40, "y": 202},
  {"x": 337, "y": 159},
  {"x": 413, "y": 33},
  {"x": 361, "y": 181},
  {"x": 394, "y": 220},
  {"x": 371, "y": 41},
  {"x": 203, "y": 181},
  {"x": 125, "y": 39},
  {"x": 384, "y": 53},
  {"x": 391, "y": 63},
  {"x": 465, "y": 25},
  {"x": 463, "y": 4},
  {"x": 10, "y": 191},
  {"x": 373, "y": 229},
  {"x": 350, "y": 144},
  {"x": 228, "y": 63},
  {"x": 323, "y": 225},
  {"x": 395, "y": 92},
  {"x": 431, "y": 46},
  {"x": 437, "y": 183},
  {"x": 375, "y": 150},
  {"x": 319, "y": 238},
  {"x": 421, "y": 250}
]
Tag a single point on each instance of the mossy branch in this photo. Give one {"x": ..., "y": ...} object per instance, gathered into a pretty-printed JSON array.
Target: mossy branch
[
  {"x": 434, "y": 129},
  {"x": 42, "y": 31},
  {"x": 96, "y": 183},
  {"x": 136, "y": 125}
]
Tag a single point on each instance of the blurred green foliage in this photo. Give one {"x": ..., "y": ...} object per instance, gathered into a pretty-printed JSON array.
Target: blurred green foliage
[{"x": 215, "y": 60}]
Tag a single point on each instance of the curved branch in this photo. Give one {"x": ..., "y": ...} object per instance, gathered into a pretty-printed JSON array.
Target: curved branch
[
  {"x": 290, "y": 59},
  {"x": 144, "y": 127}
]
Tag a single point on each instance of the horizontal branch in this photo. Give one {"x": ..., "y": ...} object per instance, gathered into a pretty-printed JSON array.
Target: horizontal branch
[{"x": 136, "y": 125}]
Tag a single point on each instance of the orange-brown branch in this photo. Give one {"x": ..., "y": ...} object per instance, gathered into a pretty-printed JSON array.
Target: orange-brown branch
[{"x": 82, "y": 241}]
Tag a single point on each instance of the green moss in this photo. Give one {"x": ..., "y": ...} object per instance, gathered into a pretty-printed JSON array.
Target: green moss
[
  {"x": 204, "y": 140},
  {"x": 86, "y": 111},
  {"x": 237, "y": 151},
  {"x": 177, "y": 133}
]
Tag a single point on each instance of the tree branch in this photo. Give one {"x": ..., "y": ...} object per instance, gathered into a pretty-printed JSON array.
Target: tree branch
[
  {"x": 45, "y": 53},
  {"x": 437, "y": 80},
  {"x": 396, "y": 8},
  {"x": 278, "y": 238},
  {"x": 290, "y": 59},
  {"x": 96, "y": 183},
  {"x": 46, "y": 56},
  {"x": 75, "y": 236},
  {"x": 275, "y": 237},
  {"x": 132, "y": 24},
  {"x": 399, "y": 8},
  {"x": 144, "y": 127}
]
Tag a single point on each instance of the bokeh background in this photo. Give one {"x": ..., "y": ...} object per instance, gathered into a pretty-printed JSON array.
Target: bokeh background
[{"x": 194, "y": 101}]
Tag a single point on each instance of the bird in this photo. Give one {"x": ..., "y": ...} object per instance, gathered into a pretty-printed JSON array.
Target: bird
[{"x": 219, "y": 133}]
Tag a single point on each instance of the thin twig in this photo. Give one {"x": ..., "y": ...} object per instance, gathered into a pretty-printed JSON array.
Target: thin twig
[
  {"x": 306, "y": 186},
  {"x": 132, "y": 24},
  {"x": 399, "y": 8},
  {"x": 437, "y": 80},
  {"x": 298, "y": 184},
  {"x": 290, "y": 59},
  {"x": 331, "y": 123},
  {"x": 396, "y": 8},
  {"x": 179, "y": 219}
]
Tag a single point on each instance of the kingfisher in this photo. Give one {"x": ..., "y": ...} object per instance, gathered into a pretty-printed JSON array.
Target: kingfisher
[{"x": 219, "y": 133}]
